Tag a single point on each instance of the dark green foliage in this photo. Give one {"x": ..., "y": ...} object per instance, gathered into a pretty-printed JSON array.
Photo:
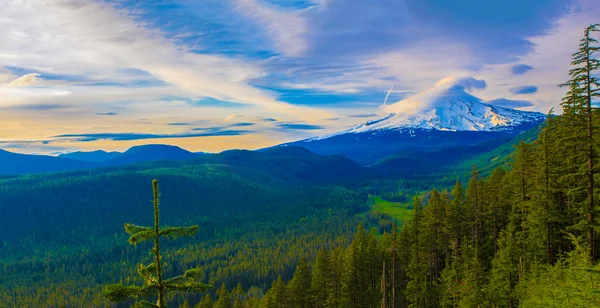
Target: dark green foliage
[
  {"x": 255, "y": 226},
  {"x": 152, "y": 275},
  {"x": 299, "y": 286},
  {"x": 580, "y": 129}
]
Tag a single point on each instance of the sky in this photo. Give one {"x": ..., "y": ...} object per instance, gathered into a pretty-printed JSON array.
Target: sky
[{"x": 210, "y": 75}]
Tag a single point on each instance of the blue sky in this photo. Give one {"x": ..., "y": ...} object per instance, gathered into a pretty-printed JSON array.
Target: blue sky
[{"x": 85, "y": 74}]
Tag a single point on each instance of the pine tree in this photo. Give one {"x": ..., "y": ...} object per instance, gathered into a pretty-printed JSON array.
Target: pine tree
[
  {"x": 185, "y": 304},
  {"x": 205, "y": 302},
  {"x": 280, "y": 293},
  {"x": 583, "y": 88},
  {"x": 417, "y": 272},
  {"x": 355, "y": 283},
  {"x": 320, "y": 274},
  {"x": 350, "y": 291},
  {"x": 372, "y": 256},
  {"x": 238, "y": 296},
  {"x": 505, "y": 273},
  {"x": 334, "y": 281},
  {"x": 224, "y": 300},
  {"x": 152, "y": 273},
  {"x": 547, "y": 214},
  {"x": 392, "y": 250},
  {"x": 473, "y": 196},
  {"x": 299, "y": 286},
  {"x": 455, "y": 211}
]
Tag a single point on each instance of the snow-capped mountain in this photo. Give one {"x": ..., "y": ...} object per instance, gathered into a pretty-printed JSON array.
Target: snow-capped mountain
[
  {"x": 448, "y": 107},
  {"x": 456, "y": 115},
  {"x": 443, "y": 116}
]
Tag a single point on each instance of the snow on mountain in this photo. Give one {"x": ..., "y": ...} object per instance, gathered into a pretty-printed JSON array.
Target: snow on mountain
[{"x": 448, "y": 107}]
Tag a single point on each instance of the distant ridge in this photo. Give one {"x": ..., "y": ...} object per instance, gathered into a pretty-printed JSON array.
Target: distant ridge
[{"x": 16, "y": 164}]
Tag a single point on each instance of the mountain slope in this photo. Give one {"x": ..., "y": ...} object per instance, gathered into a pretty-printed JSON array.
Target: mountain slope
[
  {"x": 151, "y": 152},
  {"x": 15, "y": 163},
  {"x": 445, "y": 116},
  {"x": 93, "y": 156}
]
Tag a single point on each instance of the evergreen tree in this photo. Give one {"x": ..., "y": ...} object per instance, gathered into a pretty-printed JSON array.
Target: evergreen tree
[
  {"x": 416, "y": 289},
  {"x": 505, "y": 273},
  {"x": 152, "y": 274},
  {"x": 300, "y": 286},
  {"x": 279, "y": 294},
  {"x": 185, "y": 304},
  {"x": 355, "y": 273},
  {"x": 392, "y": 250},
  {"x": 334, "y": 281},
  {"x": 320, "y": 275},
  {"x": 454, "y": 226},
  {"x": 372, "y": 256},
  {"x": 224, "y": 300},
  {"x": 473, "y": 196},
  {"x": 583, "y": 89},
  {"x": 205, "y": 302},
  {"x": 238, "y": 296}
]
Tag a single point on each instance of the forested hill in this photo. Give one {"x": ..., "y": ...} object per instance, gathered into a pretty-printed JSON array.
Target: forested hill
[{"x": 259, "y": 213}]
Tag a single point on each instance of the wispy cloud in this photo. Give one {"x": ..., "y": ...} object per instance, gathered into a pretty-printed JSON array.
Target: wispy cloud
[
  {"x": 287, "y": 28},
  {"x": 523, "y": 90},
  {"x": 363, "y": 115},
  {"x": 140, "y": 136},
  {"x": 300, "y": 126},
  {"x": 520, "y": 69}
]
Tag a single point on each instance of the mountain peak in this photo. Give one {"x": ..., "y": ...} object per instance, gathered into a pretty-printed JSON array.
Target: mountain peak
[{"x": 449, "y": 107}]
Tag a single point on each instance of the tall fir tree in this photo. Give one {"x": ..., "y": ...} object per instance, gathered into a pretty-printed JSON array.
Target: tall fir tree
[
  {"x": 319, "y": 281},
  {"x": 205, "y": 302},
  {"x": 300, "y": 286},
  {"x": 583, "y": 89},
  {"x": 152, "y": 274},
  {"x": 224, "y": 298}
]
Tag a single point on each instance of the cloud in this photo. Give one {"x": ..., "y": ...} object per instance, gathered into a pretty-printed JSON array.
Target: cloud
[
  {"x": 299, "y": 126},
  {"x": 445, "y": 90},
  {"x": 550, "y": 56},
  {"x": 520, "y": 69},
  {"x": 41, "y": 107},
  {"x": 139, "y": 136},
  {"x": 504, "y": 102},
  {"x": 524, "y": 90},
  {"x": 363, "y": 115},
  {"x": 25, "y": 80},
  {"x": 95, "y": 40},
  {"x": 286, "y": 28},
  {"x": 106, "y": 113}
]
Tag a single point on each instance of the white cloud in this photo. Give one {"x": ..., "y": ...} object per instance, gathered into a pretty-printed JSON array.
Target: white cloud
[
  {"x": 90, "y": 39},
  {"x": 550, "y": 59},
  {"x": 25, "y": 80},
  {"x": 287, "y": 28}
]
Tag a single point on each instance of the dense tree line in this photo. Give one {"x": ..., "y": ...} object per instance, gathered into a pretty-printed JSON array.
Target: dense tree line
[{"x": 253, "y": 227}]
